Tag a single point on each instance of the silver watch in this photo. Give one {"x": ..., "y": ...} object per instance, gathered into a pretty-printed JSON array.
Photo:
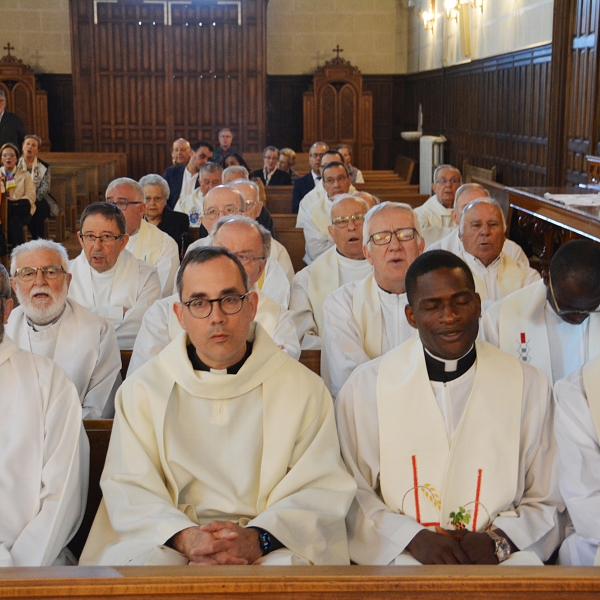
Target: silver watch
[{"x": 502, "y": 546}]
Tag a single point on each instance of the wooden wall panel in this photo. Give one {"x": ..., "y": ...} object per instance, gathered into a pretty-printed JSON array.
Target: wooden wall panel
[{"x": 140, "y": 82}]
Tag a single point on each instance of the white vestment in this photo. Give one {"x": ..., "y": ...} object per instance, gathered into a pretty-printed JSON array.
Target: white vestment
[
  {"x": 44, "y": 460},
  {"x": 192, "y": 205},
  {"x": 159, "y": 249},
  {"x": 281, "y": 255},
  {"x": 258, "y": 448},
  {"x": 361, "y": 322},
  {"x": 435, "y": 220},
  {"x": 315, "y": 195},
  {"x": 84, "y": 345},
  {"x": 452, "y": 243},
  {"x": 122, "y": 295},
  {"x": 484, "y": 440},
  {"x": 160, "y": 327},
  {"x": 576, "y": 424},
  {"x": 500, "y": 278},
  {"x": 316, "y": 235},
  {"x": 525, "y": 325},
  {"x": 313, "y": 284}
]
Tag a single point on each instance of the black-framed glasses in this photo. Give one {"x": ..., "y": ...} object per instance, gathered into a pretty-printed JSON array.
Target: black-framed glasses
[
  {"x": 405, "y": 234},
  {"x": 123, "y": 204},
  {"x": 342, "y": 222},
  {"x": 105, "y": 240},
  {"x": 230, "y": 304},
  {"x": 49, "y": 272},
  {"x": 560, "y": 311}
]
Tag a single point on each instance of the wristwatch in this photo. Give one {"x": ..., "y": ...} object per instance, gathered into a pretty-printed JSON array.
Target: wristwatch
[
  {"x": 268, "y": 543},
  {"x": 502, "y": 546}
]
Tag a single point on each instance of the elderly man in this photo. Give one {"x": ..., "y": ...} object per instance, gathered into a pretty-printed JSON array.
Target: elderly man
[
  {"x": 146, "y": 242},
  {"x": 449, "y": 439},
  {"x": 546, "y": 324},
  {"x": 317, "y": 220},
  {"x": 224, "y": 449},
  {"x": 107, "y": 278},
  {"x": 251, "y": 244},
  {"x": 12, "y": 128},
  {"x": 181, "y": 152},
  {"x": 225, "y": 201},
  {"x": 342, "y": 263},
  {"x": 270, "y": 174},
  {"x": 44, "y": 455},
  {"x": 435, "y": 215},
  {"x": 233, "y": 173},
  {"x": 496, "y": 274},
  {"x": 224, "y": 149},
  {"x": 256, "y": 210},
  {"x": 183, "y": 179},
  {"x": 365, "y": 319},
  {"x": 346, "y": 151},
  {"x": 303, "y": 185},
  {"x": 52, "y": 325},
  {"x": 192, "y": 205},
  {"x": 465, "y": 194}
]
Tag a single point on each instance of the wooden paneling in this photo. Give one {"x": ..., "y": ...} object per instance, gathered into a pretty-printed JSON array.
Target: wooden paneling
[{"x": 140, "y": 82}]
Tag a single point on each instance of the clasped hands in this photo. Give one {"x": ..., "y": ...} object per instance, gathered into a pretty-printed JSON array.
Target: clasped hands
[
  {"x": 218, "y": 543},
  {"x": 460, "y": 547}
]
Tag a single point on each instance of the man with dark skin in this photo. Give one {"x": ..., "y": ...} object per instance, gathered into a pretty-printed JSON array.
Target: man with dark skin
[{"x": 491, "y": 405}]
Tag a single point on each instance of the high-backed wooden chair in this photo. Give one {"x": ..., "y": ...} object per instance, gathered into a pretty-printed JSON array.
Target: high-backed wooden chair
[
  {"x": 469, "y": 171},
  {"x": 404, "y": 167}
]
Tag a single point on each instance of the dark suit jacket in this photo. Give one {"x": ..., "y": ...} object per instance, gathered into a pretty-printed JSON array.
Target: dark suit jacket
[
  {"x": 278, "y": 178},
  {"x": 265, "y": 219},
  {"x": 12, "y": 129},
  {"x": 177, "y": 225},
  {"x": 302, "y": 186},
  {"x": 174, "y": 177}
]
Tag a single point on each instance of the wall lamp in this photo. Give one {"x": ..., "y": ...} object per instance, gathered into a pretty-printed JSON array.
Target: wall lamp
[{"x": 451, "y": 7}]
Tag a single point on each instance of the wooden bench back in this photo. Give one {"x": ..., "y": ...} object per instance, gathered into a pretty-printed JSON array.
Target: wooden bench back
[
  {"x": 293, "y": 240},
  {"x": 404, "y": 167},
  {"x": 469, "y": 171}
]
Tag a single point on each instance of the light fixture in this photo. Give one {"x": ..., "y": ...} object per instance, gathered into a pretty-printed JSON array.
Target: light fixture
[
  {"x": 451, "y": 7},
  {"x": 477, "y": 4},
  {"x": 428, "y": 20}
]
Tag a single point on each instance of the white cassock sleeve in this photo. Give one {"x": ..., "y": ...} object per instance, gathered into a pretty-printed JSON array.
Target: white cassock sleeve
[
  {"x": 489, "y": 326},
  {"x": 316, "y": 242},
  {"x": 106, "y": 375},
  {"x": 167, "y": 265},
  {"x": 579, "y": 473},
  {"x": 304, "y": 320},
  {"x": 377, "y": 534},
  {"x": 148, "y": 292},
  {"x": 276, "y": 284},
  {"x": 282, "y": 256},
  {"x": 285, "y": 334},
  {"x": 64, "y": 475}
]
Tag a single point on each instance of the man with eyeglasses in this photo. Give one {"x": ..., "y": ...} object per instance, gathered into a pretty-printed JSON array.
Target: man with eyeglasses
[
  {"x": 44, "y": 454},
  {"x": 146, "y": 241},
  {"x": 553, "y": 324},
  {"x": 226, "y": 201},
  {"x": 48, "y": 323},
  {"x": 449, "y": 439},
  {"x": 342, "y": 263},
  {"x": 183, "y": 179},
  {"x": 251, "y": 244},
  {"x": 226, "y": 443},
  {"x": 435, "y": 215},
  {"x": 365, "y": 319},
  {"x": 107, "y": 278},
  {"x": 303, "y": 185},
  {"x": 210, "y": 176},
  {"x": 270, "y": 174}
]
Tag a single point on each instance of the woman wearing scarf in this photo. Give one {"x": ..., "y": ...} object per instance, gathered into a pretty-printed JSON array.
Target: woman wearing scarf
[
  {"x": 20, "y": 190},
  {"x": 39, "y": 170}
]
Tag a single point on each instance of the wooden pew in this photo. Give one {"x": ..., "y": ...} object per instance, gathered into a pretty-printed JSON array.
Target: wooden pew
[
  {"x": 293, "y": 240},
  {"x": 312, "y": 360},
  {"x": 125, "y": 360},
  {"x": 469, "y": 171},
  {"x": 279, "y": 199},
  {"x": 283, "y": 221},
  {"x": 404, "y": 167}
]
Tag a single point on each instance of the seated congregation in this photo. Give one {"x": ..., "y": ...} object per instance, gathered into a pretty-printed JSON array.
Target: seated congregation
[{"x": 456, "y": 419}]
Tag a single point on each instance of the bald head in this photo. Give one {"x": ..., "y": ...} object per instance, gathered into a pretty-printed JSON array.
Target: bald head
[
  {"x": 221, "y": 201},
  {"x": 368, "y": 198},
  {"x": 251, "y": 194}
]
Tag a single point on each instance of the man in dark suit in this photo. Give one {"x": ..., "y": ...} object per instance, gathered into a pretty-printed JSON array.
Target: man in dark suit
[
  {"x": 304, "y": 184},
  {"x": 12, "y": 128},
  {"x": 270, "y": 174},
  {"x": 183, "y": 179}
]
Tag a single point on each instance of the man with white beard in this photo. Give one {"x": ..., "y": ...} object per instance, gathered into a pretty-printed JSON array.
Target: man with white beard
[
  {"x": 52, "y": 325},
  {"x": 44, "y": 454}
]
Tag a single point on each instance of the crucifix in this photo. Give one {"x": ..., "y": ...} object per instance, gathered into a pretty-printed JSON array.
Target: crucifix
[
  {"x": 337, "y": 50},
  {"x": 8, "y": 47}
]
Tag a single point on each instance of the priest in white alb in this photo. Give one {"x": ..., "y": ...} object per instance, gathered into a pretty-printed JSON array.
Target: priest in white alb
[
  {"x": 435, "y": 214},
  {"x": 250, "y": 243},
  {"x": 146, "y": 241},
  {"x": 342, "y": 263},
  {"x": 553, "y": 324},
  {"x": 48, "y": 323},
  {"x": 107, "y": 278},
  {"x": 577, "y": 429},
  {"x": 449, "y": 439},
  {"x": 465, "y": 194},
  {"x": 365, "y": 319},
  {"x": 482, "y": 233},
  {"x": 224, "y": 449},
  {"x": 44, "y": 455}
]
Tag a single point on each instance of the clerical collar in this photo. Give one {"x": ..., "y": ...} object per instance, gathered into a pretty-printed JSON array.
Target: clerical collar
[
  {"x": 232, "y": 370},
  {"x": 37, "y": 327},
  {"x": 440, "y": 369}
]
